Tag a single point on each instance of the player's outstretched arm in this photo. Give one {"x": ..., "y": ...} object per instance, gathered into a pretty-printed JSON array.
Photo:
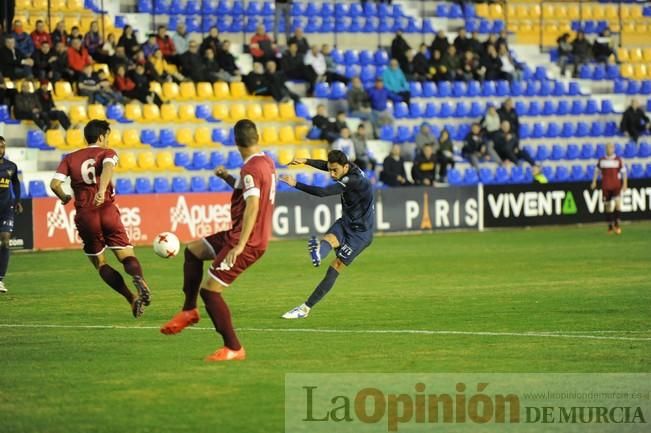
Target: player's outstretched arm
[
  {"x": 334, "y": 189},
  {"x": 104, "y": 180},
  {"x": 316, "y": 163},
  {"x": 56, "y": 185},
  {"x": 248, "y": 222},
  {"x": 222, "y": 173},
  {"x": 593, "y": 185}
]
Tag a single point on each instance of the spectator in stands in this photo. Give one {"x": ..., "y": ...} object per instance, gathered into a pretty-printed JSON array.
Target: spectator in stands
[
  {"x": 471, "y": 68},
  {"x": 393, "y": 169},
  {"x": 276, "y": 82},
  {"x": 564, "y": 51},
  {"x": 423, "y": 138},
  {"x": 150, "y": 46},
  {"x": 451, "y": 64},
  {"x": 363, "y": 158},
  {"x": 24, "y": 43},
  {"x": 315, "y": 61},
  {"x": 124, "y": 84},
  {"x": 491, "y": 40},
  {"x": 634, "y": 122},
  {"x": 163, "y": 71},
  {"x": 293, "y": 65},
  {"x": 192, "y": 65},
  {"x": 419, "y": 64},
  {"x": 510, "y": 70},
  {"x": 507, "y": 112},
  {"x": 28, "y": 106},
  {"x": 166, "y": 45},
  {"x": 256, "y": 81},
  {"x": 49, "y": 108},
  {"x": 93, "y": 42},
  {"x": 59, "y": 34},
  {"x": 181, "y": 39},
  {"x": 40, "y": 35},
  {"x": 141, "y": 81},
  {"x": 424, "y": 169},
  {"x": 475, "y": 44},
  {"x": 130, "y": 43},
  {"x": 341, "y": 121},
  {"x": 74, "y": 33},
  {"x": 345, "y": 143},
  {"x": 12, "y": 62},
  {"x": 44, "y": 58},
  {"x": 299, "y": 39},
  {"x": 461, "y": 42},
  {"x": 78, "y": 57},
  {"x": 214, "y": 72},
  {"x": 444, "y": 154},
  {"x": 327, "y": 127},
  {"x": 331, "y": 67},
  {"x": 284, "y": 9},
  {"x": 399, "y": 48},
  {"x": 503, "y": 38},
  {"x": 491, "y": 122},
  {"x": 476, "y": 148},
  {"x": 507, "y": 146},
  {"x": 359, "y": 104},
  {"x": 108, "y": 49},
  {"x": 492, "y": 64},
  {"x": 395, "y": 81},
  {"x": 60, "y": 67},
  {"x": 227, "y": 62},
  {"x": 603, "y": 47},
  {"x": 440, "y": 43},
  {"x": 379, "y": 97},
  {"x": 437, "y": 70},
  {"x": 7, "y": 96},
  {"x": 211, "y": 41},
  {"x": 96, "y": 88},
  {"x": 581, "y": 51},
  {"x": 120, "y": 59},
  {"x": 262, "y": 47}
]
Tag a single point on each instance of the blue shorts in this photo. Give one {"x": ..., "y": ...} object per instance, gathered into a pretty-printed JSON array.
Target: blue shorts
[
  {"x": 351, "y": 243},
  {"x": 7, "y": 220}
]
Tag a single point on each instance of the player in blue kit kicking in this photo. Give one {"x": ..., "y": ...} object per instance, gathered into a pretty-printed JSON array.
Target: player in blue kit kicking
[
  {"x": 9, "y": 185},
  {"x": 350, "y": 234}
]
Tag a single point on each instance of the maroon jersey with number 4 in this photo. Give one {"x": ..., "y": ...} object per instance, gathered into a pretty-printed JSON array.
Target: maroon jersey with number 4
[
  {"x": 611, "y": 168},
  {"x": 84, "y": 167}
]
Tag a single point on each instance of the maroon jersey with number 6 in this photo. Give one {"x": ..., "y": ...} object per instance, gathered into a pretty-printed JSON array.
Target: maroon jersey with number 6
[{"x": 611, "y": 168}]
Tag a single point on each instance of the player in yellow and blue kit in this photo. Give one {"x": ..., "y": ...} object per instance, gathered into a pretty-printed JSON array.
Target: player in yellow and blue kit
[{"x": 9, "y": 204}]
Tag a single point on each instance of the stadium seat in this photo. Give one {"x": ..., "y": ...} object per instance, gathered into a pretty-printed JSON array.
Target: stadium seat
[
  {"x": 127, "y": 162},
  {"x": 63, "y": 90},
  {"x": 37, "y": 188},
  {"x": 204, "y": 112},
  {"x": 36, "y": 140},
  {"x": 143, "y": 186},
  {"x": 287, "y": 111},
  {"x": 200, "y": 161},
  {"x": 205, "y": 90},
  {"x": 115, "y": 112},
  {"x": 186, "y": 113},
  {"x": 285, "y": 156},
  {"x": 233, "y": 160},
  {"x": 187, "y": 90},
  {"x": 130, "y": 138},
  {"x": 161, "y": 185},
  {"x": 270, "y": 135},
  {"x": 170, "y": 91},
  {"x": 146, "y": 161},
  {"x": 185, "y": 137},
  {"x": 221, "y": 91},
  {"x": 286, "y": 135},
  {"x": 164, "y": 160},
  {"x": 198, "y": 184},
  {"x": 133, "y": 112},
  {"x": 77, "y": 114},
  {"x": 237, "y": 112},
  {"x": 182, "y": 159},
  {"x": 320, "y": 153},
  {"x": 203, "y": 137},
  {"x": 124, "y": 186},
  {"x": 254, "y": 111},
  {"x": 216, "y": 184},
  {"x": 180, "y": 184},
  {"x": 238, "y": 91},
  {"x": 151, "y": 113},
  {"x": 169, "y": 113},
  {"x": 220, "y": 111},
  {"x": 75, "y": 138}
]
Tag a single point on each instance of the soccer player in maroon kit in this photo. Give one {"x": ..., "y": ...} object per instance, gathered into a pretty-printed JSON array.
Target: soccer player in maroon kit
[
  {"x": 232, "y": 251},
  {"x": 98, "y": 219},
  {"x": 613, "y": 183}
]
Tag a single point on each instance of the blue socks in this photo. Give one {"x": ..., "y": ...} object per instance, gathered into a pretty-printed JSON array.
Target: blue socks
[
  {"x": 324, "y": 249},
  {"x": 324, "y": 286},
  {"x": 4, "y": 261}
]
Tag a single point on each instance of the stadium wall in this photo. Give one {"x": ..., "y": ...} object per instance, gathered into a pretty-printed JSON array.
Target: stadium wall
[{"x": 47, "y": 224}]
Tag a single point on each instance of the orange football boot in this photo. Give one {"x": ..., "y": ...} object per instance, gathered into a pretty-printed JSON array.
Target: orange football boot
[
  {"x": 618, "y": 230},
  {"x": 180, "y": 321},
  {"x": 226, "y": 354}
]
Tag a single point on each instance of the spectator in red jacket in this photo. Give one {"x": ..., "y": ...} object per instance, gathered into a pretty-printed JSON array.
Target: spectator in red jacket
[
  {"x": 78, "y": 57},
  {"x": 40, "y": 35},
  {"x": 262, "y": 46},
  {"x": 166, "y": 45}
]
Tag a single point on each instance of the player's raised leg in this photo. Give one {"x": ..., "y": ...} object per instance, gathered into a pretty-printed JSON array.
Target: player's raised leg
[
  {"x": 320, "y": 250},
  {"x": 322, "y": 289},
  {"x": 211, "y": 293},
  {"x": 127, "y": 257},
  {"x": 115, "y": 281}
]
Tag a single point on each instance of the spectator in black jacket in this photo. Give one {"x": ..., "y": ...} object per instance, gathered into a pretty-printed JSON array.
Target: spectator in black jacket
[
  {"x": 300, "y": 40},
  {"x": 211, "y": 41},
  {"x": 227, "y": 60},
  {"x": 461, "y": 42},
  {"x": 44, "y": 58},
  {"x": 440, "y": 43},
  {"x": 444, "y": 154},
  {"x": 256, "y": 81},
  {"x": 214, "y": 72},
  {"x": 492, "y": 64},
  {"x": 603, "y": 47},
  {"x": 12, "y": 63},
  {"x": 477, "y": 148},
  {"x": 507, "y": 146},
  {"x": 328, "y": 128},
  {"x": 31, "y": 106},
  {"x": 276, "y": 81},
  {"x": 192, "y": 65},
  {"x": 7, "y": 96},
  {"x": 581, "y": 51},
  {"x": 60, "y": 66},
  {"x": 399, "y": 47},
  {"x": 634, "y": 121},
  {"x": 393, "y": 170},
  {"x": 564, "y": 51},
  {"x": 120, "y": 59},
  {"x": 420, "y": 63},
  {"x": 424, "y": 170},
  {"x": 128, "y": 41},
  {"x": 293, "y": 65},
  {"x": 507, "y": 112},
  {"x": 59, "y": 34}
]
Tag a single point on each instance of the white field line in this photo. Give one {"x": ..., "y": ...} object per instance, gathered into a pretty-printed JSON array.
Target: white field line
[{"x": 550, "y": 334}]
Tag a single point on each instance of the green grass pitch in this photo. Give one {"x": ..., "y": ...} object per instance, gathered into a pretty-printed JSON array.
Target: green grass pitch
[{"x": 576, "y": 282}]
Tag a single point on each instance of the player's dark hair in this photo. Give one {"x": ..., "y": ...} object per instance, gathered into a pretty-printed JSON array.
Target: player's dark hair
[
  {"x": 246, "y": 134},
  {"x": 94, "y": 129},
  {"x": 2, "y": 138},
  {"x": 337, "y": 157}
]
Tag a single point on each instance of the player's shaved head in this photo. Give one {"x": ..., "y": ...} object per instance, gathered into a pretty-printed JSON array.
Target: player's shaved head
[
  {"x": 95, "y": 129},
  {"x": 246, "y": 133}
]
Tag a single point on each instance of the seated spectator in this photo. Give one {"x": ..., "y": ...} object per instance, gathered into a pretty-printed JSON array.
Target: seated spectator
[
  {"x": 60, "y": 67},
  {"x": 74, "y": 34},
  {"x": 440, "y": 43},
  {"x": 393, "y": 169},
  {"x": 93, "y": 43},
  {"x": 423, "y": 138},
  {"x": 471, "y": 68},
  {"x": 226, "y": 61},
  {"x": 507, "y": 146},
  {"x": 475, "y": 45},
  {"x": 130, "y": 43},
  {"x": 331, "y": 67},
  {"x": 293, "y": 65},
  {"x": 363, "y": 158},
  {"x": 256, "y": 81},
  {"x": 139, "y": 77},
  {"x": 399, "y": 48},
  {"x": 341, "y": 121},
  {"x": 492, "y": 64},
  {"x": 379, "y": 97},
  {"x": 12, "y": 62},
  {"x": 108, "y": 49},
  {"x": 452, "y": 65},
  {"x": 96, "y": 88},
  {"x": 28, "y": 106},
  {"x": 211, "y": 41},
  {"x": 491, "y": 122},
  {"x": 359, "y": 104},
  {"x": 163, "y": 71},
  {"x": 181, "y": 39},
  {"x": 476, "y": 148},
  {"x": 24, "y": 43},
  {"x": 192, "y": 65},
  {"x": 59, "y": 34},
  {"x": 126, "y": 86},
  {"x": 603, "y": 48},
  {"x": 503, "y": 39},
  {"x": 166, "y": 45},
  {"x": 78, "y": 57},
  {"x": 276, "y": 81},
  {"x": 315, "y": 61},
  {"x": 40, "y": 35},
  {"x": 634, "y": 122},
  {"x": 564, "y": 51},
  {"x": 461, "y": 42},
  {"x": 150, "y": 46},
  {"x": 44, "y": 58},
  {"x": 418, "y": 65},
  {"x": 444, "y": 154},
  {"x": 327, "y": 127},
  {"x": 424, "y": 169},
  {"x": 491, "y": 40},
  {"x": 510, "y": 70},
  {"x": 120, "y": 59},
  {"x": 395, "y": 81},
  {"x": 214, "y": 72},
  {"x": 49, "y": 108},
  {"x": 262, "y": 46},
  {"x": 581, "y": 51},
  {"x": 507, "y": 112},
  {"x": 437, "y": 70},
  {"x": 300, "y": 40},
  {"x": 345, "y": 143},
  {"x": 7, "y": 96}
]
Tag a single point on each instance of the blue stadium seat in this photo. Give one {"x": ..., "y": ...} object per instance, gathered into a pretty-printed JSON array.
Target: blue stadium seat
[
  {"x": 619, "y": 86},
  {"x": 577, "y": 107},
  {"x": 327, "y": 26},
  {"x": 538, "y": 130},
  {"x": 582, "y": 129},
  {"x": 587, "y": 151},
  {"x": 216, "y": 184},
  {"x": 454, "y": 177},
  {"x": 386, "y": 133},
  {"x": 403, "y": 134},
  {"x": 144, "y": 6},
  {"x": 203, "y": 111},
  {"x": 350, "y": 56},
  {"x": 534, "y": 108},
  {"x": 400, "y": 110},
  {"x": 430, "y": 89},
  {"x": 585, "y": 72},
  {"x": 302, "y": 111},
  {"x": 327, "y": 10},
  {"x": 633, "y": 87},
  {"x": 573, "y": 152},
  {"x": 313, "y": 26},
  {"x": 521, "y": 108},
  {"x": 198, "y": 184},
  {"x": 516, "y": 88},
  {"x": 542, "y": 153},
  {"x": 563, "y": 108},
  {"x": 525, "y": 131},
  {"x": 182, "y": 159},
  {"x": 200, "y": 161},
  {"x": 234, "y": 160},
  {"x": 553, "y": 130},
  {"x": 567, "y": 130},
  {"x": 645, "y": 150},
  {"x": 611, "y": 129},
  {"x": 612, "y": 72},
  {"x": 645, "y": 88},
  {"x": 459, "y": 89},
  {"x": 365, "y": 57},
  {"x": 548, "y": 108},
  {"x": 180, "y": 184},
  {"x": 574, "y": 89},
  {"x": 368, "y": 74},
  {"x": 476, "y": 110},
  {"x": 488, "y": 89},
  {"x": 430, "y": 110},
  {"x": 216, "y": 159},
  {"x": 517, "y": 174},
  {"x": 600, "y": 151},
  {"x": 322, "y": 90},
  {"x": 599, "y": 72},
  {"x": 562, "y": 174},
  {"x": 124, "y": 186},
  {"x": 548, "y": 172},
  {"x": 311, "y": 9},
  {"x": 461, "y": 110},
  {"x": 415, "y": 110},
  {"x": 355, "y": 10},
  {"x": 597, "y": 129},
  {"x": 218, "y": 135},
  {"x": 304, "y": 178},
  {"x": 416, "y": 89},
  {"x": 607, "y": 107},
  {"x": 531, "y": 89},
  {"x": 591, "y": 107},
  {"x": 546, "y": 88},
  {"x": 352, "y": 71},
  {"x": 167, "y": 138},
  {"x": 485, "y": 175},
  {"x": 162, "y": 185},
  {"x": 502, "y": 88},
  {"x": 630, "y": 150},
  {"x": 559, "y": 88},
  {"x": 314, "y": 133},
  {"x": 470, "y": 176},
  {"x": 161, "y": 7},
  {"x": 338, "y": 90},
  {"x": 444, "y": 89},
  {"x": 445, "y": 110},
  {"x": 381, "y": 58},
  {"x": 637, "y": 171},
  {"x": 37, "y": 188},
  {"x": 577, "y": 173},
  {"x": 501, "y": 175},
  {"x": 36, "y": 140},
  {"x": 144, "y": 185},
  {"x": 474, "y": 88},
  {"x": 320, "y": 179},
  {"x": 115, "y": 112}
]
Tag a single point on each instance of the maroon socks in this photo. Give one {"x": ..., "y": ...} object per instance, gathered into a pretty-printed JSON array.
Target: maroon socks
[
  {"x": 132, "y": 266},
  {"x": 221, "y": 318},
  {"x": 115, "y": 280},
  {"x": 192, "y": 275}
]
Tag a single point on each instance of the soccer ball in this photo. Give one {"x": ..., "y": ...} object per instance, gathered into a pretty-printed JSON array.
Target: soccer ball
[{"x": 166, "y": 245}]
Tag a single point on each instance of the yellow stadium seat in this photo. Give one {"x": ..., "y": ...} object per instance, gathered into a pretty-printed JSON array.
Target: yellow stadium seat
[
  {"x": 58, "y": 5},
  {"x": 611, "y": 12},
  {"x": 495, "y": 11},
  {"x": 635, "y": 55},
  {"x": 634, "y": 12},
  {"x": 534, "y": 11},
  {"x": 168, "y": 113},
  {"x": 146, "y": 161},
  {"x": 510, "y": 12},
  {"x": 185, "y": 137},
  {"x": 37, "y": 5},
  {"x": 238, "y": 90},
  {"x": 203, "y": 136},
  {"x": 154, "y": 86},
  {"x": 133, "y": 112},
  {"x": 96, "y": 111},
  {"x": 63, "y": 90},
  {"x": 641, "y": 28},
  {"x": 270, "y": 135},
  {"x": 481, "y": 9},
  {"x": 320, "y": 153},
  {"x": 220, "y": 111},
  {"x": 549, "y": 11},
  {"x": 187, "y": 90},
  {"x": 598, "y": 12},
  {"x": 204, "y": 91},
  {"x": 573, "y": 12},
  {"x": 639, "y": 72},
  {"x": 165, "y": 160},
  {"x": 254, "y": 112},
  {"x": 287, "y": 111},
  {"x": 626, "y": 71},
  {"x": 71, "y": 22},
  {"x": 102, "y": 67},
  {"x": 131, "y": 138},
  {"x": 270, "y": 111},
  {"x": 629, "y": 27},
  {"x": 286, "y": 135},
  {"x": 75, "y": 138},
  {"x": 23, "y": 5},
  {"x": 151, "y": 113},
  {"x": 646, "y": 53},
  {"x": 84, "y": 23},
  {"x": 115, "y": 139},
  {"x": 238, "y": 111},
  {"x": 521, "y": 12},
  {"x": 285, "y": 156},
  {"x": 302, "y": 153},
  {"x": 586, "y": 12},
  {"x": 54, "y": 137},
  {"x": 78, "y": 114},
  {"x": 622, "y": 54},
  {"x": 301, "y": 132},
  {"x": 221, "y": 90},
  {"x": 186, "y": 113},
  {"x": 170, "y": 90},
  {"x": 75, "y": 5},
  {"x": 127, "y": 161}
]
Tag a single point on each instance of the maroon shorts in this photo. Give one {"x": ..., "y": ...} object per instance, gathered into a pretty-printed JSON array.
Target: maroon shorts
[
  {"x": 100, "y": 228},
  {"x": 221, "y": 245},
  {"x": 611, "y": 193}
]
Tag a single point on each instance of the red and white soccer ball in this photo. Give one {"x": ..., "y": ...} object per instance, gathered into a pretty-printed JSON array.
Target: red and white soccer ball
[{"x": 166, "y": 245}]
